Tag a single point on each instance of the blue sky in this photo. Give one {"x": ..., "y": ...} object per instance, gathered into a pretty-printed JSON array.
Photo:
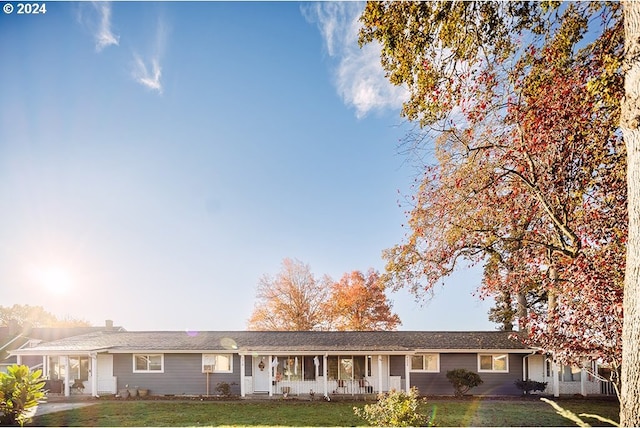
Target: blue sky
[{"x": 157, "y": 158}]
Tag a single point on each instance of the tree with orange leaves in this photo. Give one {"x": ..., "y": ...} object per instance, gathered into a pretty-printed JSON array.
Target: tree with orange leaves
[{"x": 358, "y": 302}]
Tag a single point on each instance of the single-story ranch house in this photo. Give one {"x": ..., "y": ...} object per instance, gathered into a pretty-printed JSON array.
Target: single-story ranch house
[{"x": 276, "y": 363}]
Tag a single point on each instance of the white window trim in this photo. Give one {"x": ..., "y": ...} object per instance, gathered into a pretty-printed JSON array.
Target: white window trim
[
  {"x": 148, "y": 371},
  {"x": 492, "y": 363},
  {"x": 215, "y": 356},
  {"x": 423, "y": 370}
]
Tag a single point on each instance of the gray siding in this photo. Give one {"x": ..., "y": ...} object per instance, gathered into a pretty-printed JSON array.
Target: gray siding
[
  {"x": 182, "y": 375},
  {"x": 493, "y": 383}
]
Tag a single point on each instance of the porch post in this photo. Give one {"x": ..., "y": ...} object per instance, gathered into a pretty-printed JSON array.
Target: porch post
[
  {"x": 324, "y": 376},
  {"x": 45, "y": 366},
  {"x": 583, "y": 381},
  {"x": 556, "y": 379},
  {"x": 380, "y": 374},
  {"x": 242, "y": 391},
  {"x": 271, "y": 367},
  {"x": 407, "y": 373},
  {"x": 94, "y": 374},
  {"x": 19, "y": 360},
  {"x": 67, "y": 389}
]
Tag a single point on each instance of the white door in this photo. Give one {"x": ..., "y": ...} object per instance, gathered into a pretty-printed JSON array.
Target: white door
[
  {"x": 261, "y": 369},
  {"x": 379, "y": 372},
  {"x": 106, "y": 380}
]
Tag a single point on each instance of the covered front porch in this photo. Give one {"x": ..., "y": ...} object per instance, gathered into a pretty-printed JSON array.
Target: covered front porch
[
  {"x": 312, "y": 375},
  {"x": 77, "y": 374}
]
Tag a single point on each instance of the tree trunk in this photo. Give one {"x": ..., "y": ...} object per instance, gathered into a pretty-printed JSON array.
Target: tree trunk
[
  {"x": 522, "y": 312},
  {"x": 629, "y": 122}
]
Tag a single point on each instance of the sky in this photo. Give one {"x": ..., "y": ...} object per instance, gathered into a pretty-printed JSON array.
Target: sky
[{"x": 158, "y": 158}]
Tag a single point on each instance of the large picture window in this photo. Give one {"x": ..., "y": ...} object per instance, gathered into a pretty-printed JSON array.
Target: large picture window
[
  {"x": 493, "y": 363},
  {"x": 148, "y": 363},
  {"x": 426, "y": 363}
]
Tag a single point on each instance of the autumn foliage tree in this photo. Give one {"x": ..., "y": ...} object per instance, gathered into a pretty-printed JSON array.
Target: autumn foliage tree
[
  {"x": 358, "y": 302},
  {"x": 294, "y": 300},
  {"x": 428, "y": 46},
  {"x": 528, "y": 175},
  {"x": 36, "y": 316}
]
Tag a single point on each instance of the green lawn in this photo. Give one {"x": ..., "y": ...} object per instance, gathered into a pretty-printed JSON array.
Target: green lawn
[{"x": 471, "y": 412}]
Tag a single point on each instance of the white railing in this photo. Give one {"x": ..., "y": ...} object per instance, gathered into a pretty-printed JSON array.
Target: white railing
[{"x": 309, "y": 387}]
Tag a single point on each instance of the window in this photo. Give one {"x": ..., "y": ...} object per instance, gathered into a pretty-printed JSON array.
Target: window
[
  {"x": 217, "y": 363},
  {"x": 346, "y": 367},
  {"x": 493, "y": 363},
  {"x": 570, "y": 374},
  {"x": 426, "y": 363},
  {"x": 149, "y": 363}
]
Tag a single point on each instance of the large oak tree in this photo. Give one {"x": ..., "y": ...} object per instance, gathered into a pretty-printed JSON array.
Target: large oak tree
[{"x": 529, "y": 153}]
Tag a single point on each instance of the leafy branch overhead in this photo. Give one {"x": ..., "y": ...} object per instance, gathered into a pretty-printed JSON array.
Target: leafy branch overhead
[{"x": 527, "y": 167}]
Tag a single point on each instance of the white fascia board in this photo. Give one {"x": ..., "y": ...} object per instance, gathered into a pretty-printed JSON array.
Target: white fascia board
[
  {"x": 172, "y": 351},
  {"x": 54, "y": 352},
  {"x": 321, "y": 352},
  {"x": 474, "y": 351}
]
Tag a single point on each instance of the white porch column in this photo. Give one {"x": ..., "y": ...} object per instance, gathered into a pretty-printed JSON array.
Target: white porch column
[
  {"x": 19, "y": 360},
  {"x": 67, "y": 389},
  {"x": 583, "y": 382},
  {"x": 555, "y": 372},
  {"x": 271, "y": 368},
  {"x": 94, "y": 374},
  {"x": 325, "y": 372},
  {"x": 407, "y": 373},
  {"x": 380, "y": 374},
  {"x": 242, "y": 391},
  {"x": 45, "y": 366}
]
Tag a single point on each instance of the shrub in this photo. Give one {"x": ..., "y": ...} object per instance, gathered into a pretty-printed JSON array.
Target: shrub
[
  {"x": 20, "y": 392},
  {"x": 395, "y": 408},
  {"x": 528, "y": 386},
  {"x": 224, "y": 388},
  {"x": 463, "y": 380}
]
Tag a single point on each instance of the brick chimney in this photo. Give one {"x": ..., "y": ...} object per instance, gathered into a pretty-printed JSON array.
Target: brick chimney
[{"x": 109, "y": 324}]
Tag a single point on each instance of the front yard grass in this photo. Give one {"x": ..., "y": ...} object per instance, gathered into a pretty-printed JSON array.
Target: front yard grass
[{"x": 445, "y": 412}]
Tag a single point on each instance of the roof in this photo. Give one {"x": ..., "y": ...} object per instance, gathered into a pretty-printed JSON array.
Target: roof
[
  {"x": 282, "y": 341},
  {"x": 12, "y": 339}
]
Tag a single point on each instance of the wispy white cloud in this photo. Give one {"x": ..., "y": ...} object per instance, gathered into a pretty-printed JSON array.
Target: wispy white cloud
[
  {"x": 149, "y": 72},
  {"x": 103, "y": 34},
  {"x": 359, "y": 78},
  {"x": 147, "y": 76}
]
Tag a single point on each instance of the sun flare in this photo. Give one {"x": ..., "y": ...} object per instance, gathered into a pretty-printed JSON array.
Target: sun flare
[{"x": 53, "y": 278}]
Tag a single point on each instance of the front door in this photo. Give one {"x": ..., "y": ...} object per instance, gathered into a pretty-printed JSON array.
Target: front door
[
  {"x": 106, "y": 380},
  {"x": 261, "y": 369}
]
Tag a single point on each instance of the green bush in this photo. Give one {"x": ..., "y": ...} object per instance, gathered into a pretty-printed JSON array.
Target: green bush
[
  {"x": 20, "y": 392},
  {"x": 224, "y": 388},
  {"x": 463, "y": 380},
  {"x": 528, "y": 386},
  {"x": 395, "y": 408}
]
